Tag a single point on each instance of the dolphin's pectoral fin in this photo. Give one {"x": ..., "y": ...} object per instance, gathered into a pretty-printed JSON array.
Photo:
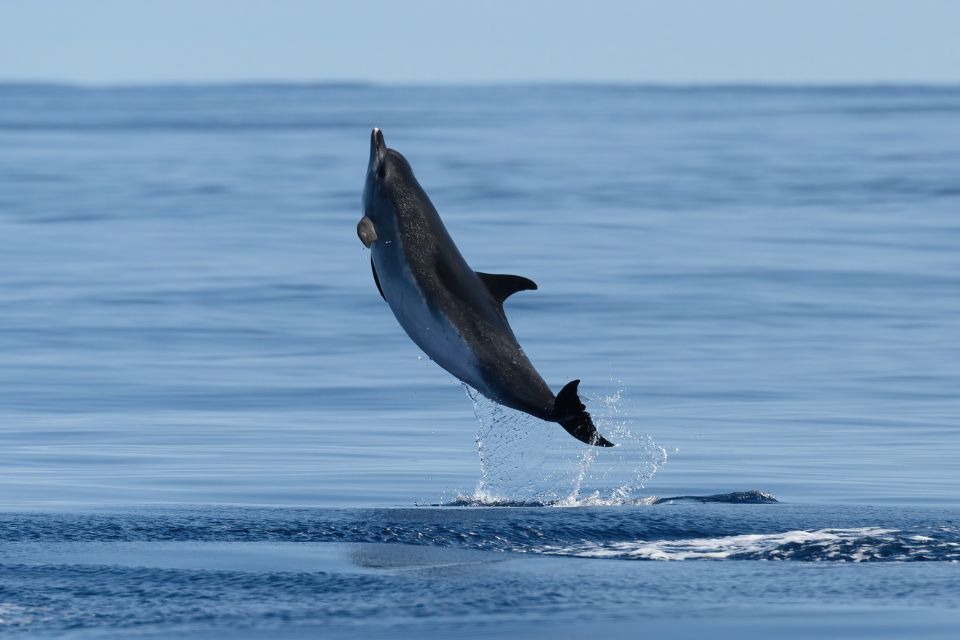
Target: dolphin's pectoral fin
[
  {"x": 376, "y": 279},
  {"x": 502, "y": 285},
  {"x": 573, "y": 416}
]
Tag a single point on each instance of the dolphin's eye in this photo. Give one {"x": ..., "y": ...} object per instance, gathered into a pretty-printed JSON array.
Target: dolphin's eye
[{"x": 382, "y": 169}]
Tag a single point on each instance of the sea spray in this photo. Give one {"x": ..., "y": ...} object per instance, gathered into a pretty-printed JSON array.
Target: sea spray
[{"x": 527, "y": 461}]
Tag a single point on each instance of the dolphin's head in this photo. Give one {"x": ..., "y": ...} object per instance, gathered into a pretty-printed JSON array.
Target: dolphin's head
[{"x": 388, "y": 176}]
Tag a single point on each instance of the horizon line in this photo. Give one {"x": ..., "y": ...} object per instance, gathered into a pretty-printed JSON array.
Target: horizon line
[{"x": 365, "y": 84}]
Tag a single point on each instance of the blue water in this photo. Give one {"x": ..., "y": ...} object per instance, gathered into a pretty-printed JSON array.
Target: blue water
[{"x": 211, "y": 423}]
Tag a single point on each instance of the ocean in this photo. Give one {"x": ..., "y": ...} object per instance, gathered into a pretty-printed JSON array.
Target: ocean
[{"x": 211, "y": 423}]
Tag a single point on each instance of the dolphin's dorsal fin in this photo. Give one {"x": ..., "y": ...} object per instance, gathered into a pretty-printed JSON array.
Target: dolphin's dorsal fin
[
  {"x": 376, "y": 278},
  {"x": 502, "y": 285}
]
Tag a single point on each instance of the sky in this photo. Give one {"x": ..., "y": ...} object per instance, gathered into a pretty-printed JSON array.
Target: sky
[{"x": 455, "y": 42}]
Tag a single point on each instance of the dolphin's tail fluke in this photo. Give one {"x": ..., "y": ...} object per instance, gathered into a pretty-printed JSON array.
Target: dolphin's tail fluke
[{"x": 573, "y": 416}]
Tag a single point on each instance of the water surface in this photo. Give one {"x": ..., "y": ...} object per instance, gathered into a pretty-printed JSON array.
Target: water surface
[{"x": 209, "y": 417}]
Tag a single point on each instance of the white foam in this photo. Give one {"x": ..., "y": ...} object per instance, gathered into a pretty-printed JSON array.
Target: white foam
[
  {"x": 482, "y": 498},
  {"x": 766, "y": 545}
]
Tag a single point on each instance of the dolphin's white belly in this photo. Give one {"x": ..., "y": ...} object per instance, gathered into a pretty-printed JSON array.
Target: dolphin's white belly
[{"x": 430, "y": 330}]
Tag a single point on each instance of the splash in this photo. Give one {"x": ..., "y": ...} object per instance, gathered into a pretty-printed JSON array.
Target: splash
[{"x": 526, "y": 461}]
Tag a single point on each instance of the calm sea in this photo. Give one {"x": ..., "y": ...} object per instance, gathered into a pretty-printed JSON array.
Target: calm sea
[{"x": 210, "y": 420}]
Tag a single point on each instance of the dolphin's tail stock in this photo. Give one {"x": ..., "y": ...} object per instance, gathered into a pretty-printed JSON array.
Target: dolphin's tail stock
[{"x": 573, "y": 416}]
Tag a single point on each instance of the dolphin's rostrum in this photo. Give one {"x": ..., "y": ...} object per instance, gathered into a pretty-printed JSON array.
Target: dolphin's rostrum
[{"x": 453, "y": 313}]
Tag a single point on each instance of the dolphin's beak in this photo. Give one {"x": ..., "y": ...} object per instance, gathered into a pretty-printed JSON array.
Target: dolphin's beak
[{"x": 378, "y": 148}]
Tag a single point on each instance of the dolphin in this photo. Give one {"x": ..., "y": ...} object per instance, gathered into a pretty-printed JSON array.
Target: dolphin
[{"x": 453, "y": 313}]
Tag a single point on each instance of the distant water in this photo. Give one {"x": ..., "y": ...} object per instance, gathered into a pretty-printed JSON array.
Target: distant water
[{"x": 210, "y": 420}]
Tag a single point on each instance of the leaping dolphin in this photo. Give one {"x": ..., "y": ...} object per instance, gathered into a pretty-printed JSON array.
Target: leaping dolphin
[{"x": 453, "y": 313}]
